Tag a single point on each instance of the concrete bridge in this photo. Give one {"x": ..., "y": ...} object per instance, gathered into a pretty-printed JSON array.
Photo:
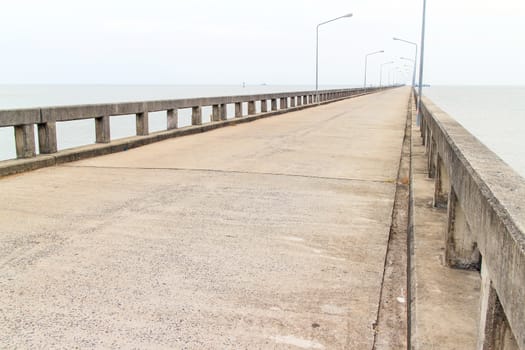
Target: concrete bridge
[{"x": 298, "y": 225}]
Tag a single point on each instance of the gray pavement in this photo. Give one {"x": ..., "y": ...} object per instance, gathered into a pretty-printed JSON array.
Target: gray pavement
[{"x": 269, "y": 234}]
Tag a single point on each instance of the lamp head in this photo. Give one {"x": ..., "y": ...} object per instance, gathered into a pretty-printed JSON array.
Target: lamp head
[{"x": 348, "y": 15}]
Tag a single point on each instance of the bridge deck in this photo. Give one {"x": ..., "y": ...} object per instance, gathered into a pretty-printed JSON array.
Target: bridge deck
[{"x": 266, "y": 234}]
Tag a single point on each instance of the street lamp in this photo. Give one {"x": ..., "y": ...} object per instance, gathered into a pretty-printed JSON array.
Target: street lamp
[
  {"x": 414, "y": 60},
  {"x": 398, "y": 76},
  {"x": 402, "y": 76},
  {"x": 381, "y": 72},
  {"x": 421, "y": 56},
  {"x": 391, "y": 73},
  {"x": 317, "y": 53},
  {"x": 394, "y": 76},
  {"x": 366, "y": 62}
]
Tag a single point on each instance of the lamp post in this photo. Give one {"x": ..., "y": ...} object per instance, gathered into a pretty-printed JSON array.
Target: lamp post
[
  {"x": 391, "y": 75},
  {"x": 317, "y": 53},
  {"x": 421, "y": 56},
  {"x": 402, "y": 76},
  {"x": 395, "y": 76},
  {"x": 366, "y": 63},
  {"x": 412, "y": 67},
  {"x": 381, "y": 72},
  {"x": 414, "y": 60}
]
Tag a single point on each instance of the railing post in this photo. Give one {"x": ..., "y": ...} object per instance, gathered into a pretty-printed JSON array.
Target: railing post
[
  {"x": 196, "y": 115},
  {"x": 274, "y": 104},
  {"x": 431, "y": 157},
  {"x": 142, "y": 123},
  {"x": 102, "y": 130},
  {"x": 494, "y": 331},
  {"x": 310, "y": 99},
  {"x": 251, "y": 108},
  {"x": 264, "y": 106},
  {"x": 461, "y": 250},
  {"x": 25, "y": 141},
  {"x": 172, "y": 119},
  {"x": 441, "y": 184},
  {"x": 47, "y": 137},
  {"x": 238, "y": 109},
  {"x": 423, "y": 131},
  {"x": 224, "y": 112},
  {"x": 421, "y": 111},
  {"x": 215, "y": 115}
]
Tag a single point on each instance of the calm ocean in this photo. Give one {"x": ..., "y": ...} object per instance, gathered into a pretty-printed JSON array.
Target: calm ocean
[{"x": 495, "y": 115}]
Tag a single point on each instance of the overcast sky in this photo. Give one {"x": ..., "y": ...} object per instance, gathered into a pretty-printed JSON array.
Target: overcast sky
[{"x": 273, "y": 42}]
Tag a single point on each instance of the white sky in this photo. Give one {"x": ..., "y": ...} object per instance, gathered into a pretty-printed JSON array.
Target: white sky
[{"x": 228, "y": 42}]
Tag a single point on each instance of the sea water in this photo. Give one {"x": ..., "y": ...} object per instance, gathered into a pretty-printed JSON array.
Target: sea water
[{"x": 494, "y": 114}]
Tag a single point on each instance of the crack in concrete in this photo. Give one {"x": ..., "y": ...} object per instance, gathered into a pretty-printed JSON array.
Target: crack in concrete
[{"x": 392, "y": 181}]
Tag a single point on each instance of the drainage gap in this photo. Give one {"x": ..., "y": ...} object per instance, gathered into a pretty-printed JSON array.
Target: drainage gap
[{"x": 391, "y": 328}]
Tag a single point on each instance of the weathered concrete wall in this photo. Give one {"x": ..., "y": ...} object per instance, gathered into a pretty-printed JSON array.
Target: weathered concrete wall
[
  {"x": 24, "y": 120},
  {"x": 486, "y": 223}
]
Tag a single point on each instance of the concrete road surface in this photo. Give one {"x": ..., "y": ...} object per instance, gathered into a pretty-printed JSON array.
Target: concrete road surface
[{"x": 269, "y": 234}]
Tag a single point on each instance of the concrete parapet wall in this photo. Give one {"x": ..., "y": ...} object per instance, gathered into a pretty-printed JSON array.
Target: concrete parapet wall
[
  {"x": 23, "y": 121},
  {"x": 486, "y": 223},
  {"x": 66, "y": 113}
]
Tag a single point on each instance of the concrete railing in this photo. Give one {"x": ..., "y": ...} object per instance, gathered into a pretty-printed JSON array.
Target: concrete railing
[
  {"x": 485, "y": 200},
  {"x": 24, "y": 121}
]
